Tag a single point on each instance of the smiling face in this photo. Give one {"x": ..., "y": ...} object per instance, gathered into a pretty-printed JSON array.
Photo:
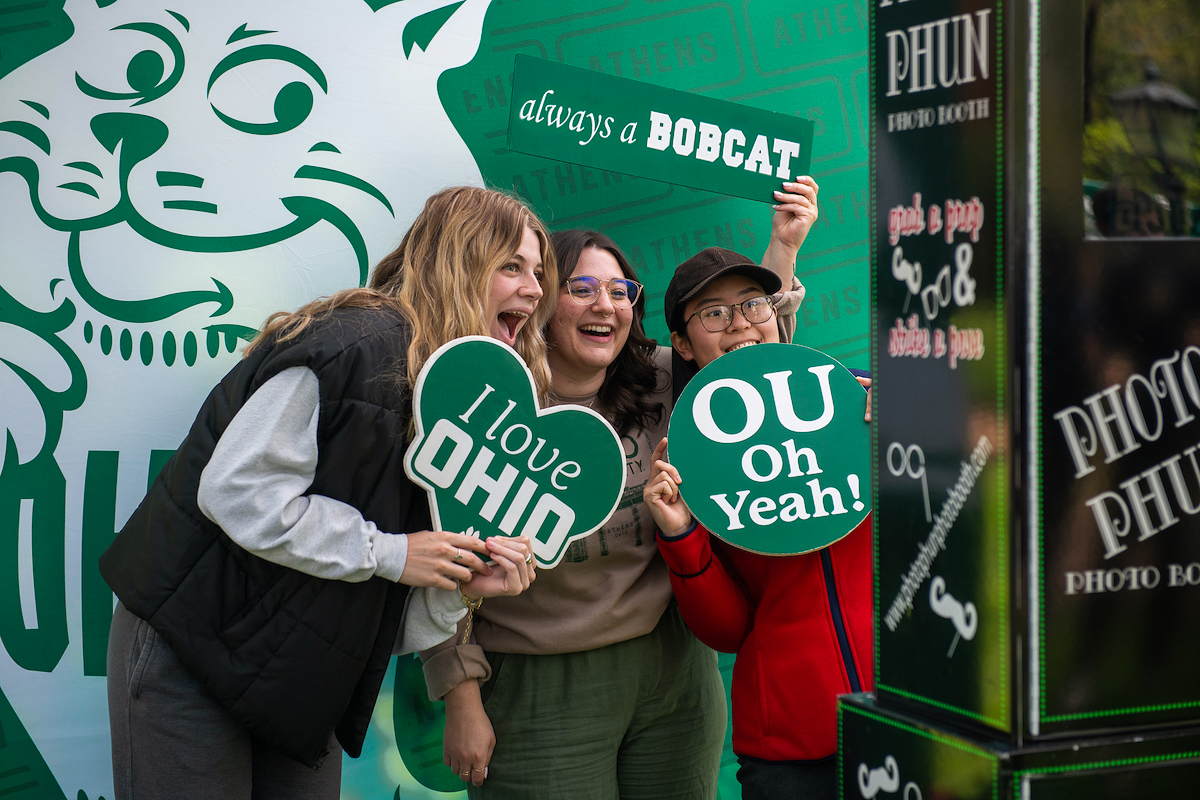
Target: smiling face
[
  {"x": 170, "y": 179},
  {"x": 703, "y": 346},
  {"x": 213, "y": 166},
  {"x": 515, "y": 290},
  {"x": 586, "y": 339}
]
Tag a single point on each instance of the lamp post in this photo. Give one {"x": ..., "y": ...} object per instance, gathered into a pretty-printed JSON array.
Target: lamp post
[{"x": 1160, "y": 122}]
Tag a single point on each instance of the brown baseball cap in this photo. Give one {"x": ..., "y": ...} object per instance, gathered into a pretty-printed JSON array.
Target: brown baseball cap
[{"x": 701, "y": 269}]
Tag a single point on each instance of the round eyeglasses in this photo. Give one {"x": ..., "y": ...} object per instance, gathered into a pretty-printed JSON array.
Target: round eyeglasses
[
  {"x": 716, "y": 319},
  {"x": 585, "y": 290}
]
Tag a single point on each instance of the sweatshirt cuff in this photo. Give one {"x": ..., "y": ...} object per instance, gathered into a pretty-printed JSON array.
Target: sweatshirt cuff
[
  {"x": 446, "y": 607},
  {"x": 447, "y": 668},
  {"x": 687, "y": 554},
  {"x": 663, "y": 537},
  {"x": 391, "y": 554}
]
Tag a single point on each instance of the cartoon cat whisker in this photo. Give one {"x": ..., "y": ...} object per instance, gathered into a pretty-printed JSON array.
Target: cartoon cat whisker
[
  {"x": 79, "y": 186},
  {"x": 27, "y": 131},
  {"x": 337, "y": 176},
  {"x": 86, "y": 166},
  {"x": 191, "y": 205}
]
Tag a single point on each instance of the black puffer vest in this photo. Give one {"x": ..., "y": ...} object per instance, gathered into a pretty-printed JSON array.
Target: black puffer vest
[{"x": 291, "y": 656}]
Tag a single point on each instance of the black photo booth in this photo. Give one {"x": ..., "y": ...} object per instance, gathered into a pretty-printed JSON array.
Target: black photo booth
[{"x": 1037, "y": 407}]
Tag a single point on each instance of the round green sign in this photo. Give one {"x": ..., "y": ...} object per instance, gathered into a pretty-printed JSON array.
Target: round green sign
[{"x": 773, "y": 450}]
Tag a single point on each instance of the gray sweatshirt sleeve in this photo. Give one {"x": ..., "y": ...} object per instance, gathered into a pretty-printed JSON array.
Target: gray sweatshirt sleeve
[
  {"x": 254, "y": 488},
  {"x": 787, "y": 306},
  {"x": 430, "y": 617}
]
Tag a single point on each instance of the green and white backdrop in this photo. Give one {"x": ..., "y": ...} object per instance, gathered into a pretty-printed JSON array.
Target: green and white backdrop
[{"x": 172, "y": 173}]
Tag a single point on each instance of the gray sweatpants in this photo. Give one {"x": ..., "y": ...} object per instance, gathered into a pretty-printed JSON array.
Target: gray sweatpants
[{"x": 172, "y": 740}]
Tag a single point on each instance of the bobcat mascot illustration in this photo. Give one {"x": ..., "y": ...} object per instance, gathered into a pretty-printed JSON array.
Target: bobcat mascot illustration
[{"x": 170, "y": 175}]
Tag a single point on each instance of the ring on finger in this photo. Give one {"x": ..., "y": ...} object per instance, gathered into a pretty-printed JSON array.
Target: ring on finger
[
  {"x": 464, "y": 774},
  {"x": 479, "y": 769},
  {"x": 458, "y": 556},
  {"x": 529, "y": 558}
]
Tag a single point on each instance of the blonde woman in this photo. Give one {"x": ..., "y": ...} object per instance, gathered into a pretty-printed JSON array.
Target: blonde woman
[{"x": 264, "y": 581}]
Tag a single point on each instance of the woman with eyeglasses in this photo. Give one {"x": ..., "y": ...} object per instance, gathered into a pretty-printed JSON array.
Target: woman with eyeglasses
[
  {"x": 800, "y": 624},
  {"x": 591, "y": 684}
]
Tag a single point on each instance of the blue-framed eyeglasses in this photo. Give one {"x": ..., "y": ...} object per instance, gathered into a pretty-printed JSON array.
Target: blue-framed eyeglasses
[{"x": 585, "y": 290}]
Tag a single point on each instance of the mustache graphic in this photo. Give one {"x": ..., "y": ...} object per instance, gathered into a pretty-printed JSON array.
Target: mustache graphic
[
  {"x": 886, "y": 778},
  {"x": 964, "y": 616}
]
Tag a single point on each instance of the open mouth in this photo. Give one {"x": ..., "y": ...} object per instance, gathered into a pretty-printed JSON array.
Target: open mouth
[
  {"x": 601, "y": 333},
  {"x": 739, "y": 346},
  {"x": 511, "y": 321}
]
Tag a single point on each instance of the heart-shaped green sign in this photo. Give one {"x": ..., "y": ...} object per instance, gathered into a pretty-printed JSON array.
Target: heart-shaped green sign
[
  {"x": 772, "y": 448},
  {"x": 496, "y": 464}
]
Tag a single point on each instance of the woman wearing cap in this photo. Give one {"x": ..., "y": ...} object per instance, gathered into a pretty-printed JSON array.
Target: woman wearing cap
[
  {"x": 263, "y": 580},
  {"x": 597, "y": 689},
  {"x": 800, "y": 625}
]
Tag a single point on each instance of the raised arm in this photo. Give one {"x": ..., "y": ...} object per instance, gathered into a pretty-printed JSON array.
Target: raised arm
[{"x": 795, "y": 212}]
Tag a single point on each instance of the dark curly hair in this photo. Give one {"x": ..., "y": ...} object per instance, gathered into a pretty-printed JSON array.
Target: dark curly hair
[{"x": 633, "y": 375}]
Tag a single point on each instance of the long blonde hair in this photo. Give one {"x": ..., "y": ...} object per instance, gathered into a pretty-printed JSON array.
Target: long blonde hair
[{"x": 438, "y": 278}]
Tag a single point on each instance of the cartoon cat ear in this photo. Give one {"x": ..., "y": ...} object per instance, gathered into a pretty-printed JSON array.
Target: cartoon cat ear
[
  {"x": 445, "y": 37},
  {"x": 44, "y": 26}
]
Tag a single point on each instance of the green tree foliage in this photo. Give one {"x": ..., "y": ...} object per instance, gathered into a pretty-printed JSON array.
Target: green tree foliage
[
  {"x": 1129, "y": 33},
  {"x": 1106, "y": 150},
  {"x": 1121, "y": 36}
]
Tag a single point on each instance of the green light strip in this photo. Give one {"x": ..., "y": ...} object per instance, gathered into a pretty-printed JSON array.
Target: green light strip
[
  {"x": 995, "y": 723},
  {"x": 955, "y": 743},
  {"x": 1119, "y": 762},
  {"x": 1116, "y": 711}
]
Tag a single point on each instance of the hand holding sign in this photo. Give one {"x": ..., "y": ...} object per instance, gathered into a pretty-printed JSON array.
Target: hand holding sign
[
  {"x": 771, "y": 449},
  {"x": 796, "y": 210},
  {"x": 662, "y": 497},
  {"x": 510, "y": 573},
  {"x": 495, "y": 463},
  {"x": 440, "y": 559}
]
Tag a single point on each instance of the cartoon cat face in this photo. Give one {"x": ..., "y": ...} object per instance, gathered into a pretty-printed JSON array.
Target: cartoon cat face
[
  {"x": 182, "y": 172},
  {"x": 169, "y": 176}
]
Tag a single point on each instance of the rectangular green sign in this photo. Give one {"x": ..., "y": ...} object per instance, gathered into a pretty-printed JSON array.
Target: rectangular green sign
[{"x": 584, "y": 117}]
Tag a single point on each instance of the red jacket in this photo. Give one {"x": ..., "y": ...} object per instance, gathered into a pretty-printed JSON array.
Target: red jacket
[{"x": 801, "y": 628}]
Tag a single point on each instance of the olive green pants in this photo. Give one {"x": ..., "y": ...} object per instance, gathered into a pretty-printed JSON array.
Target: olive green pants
[{"x": 637, "y": 720}]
